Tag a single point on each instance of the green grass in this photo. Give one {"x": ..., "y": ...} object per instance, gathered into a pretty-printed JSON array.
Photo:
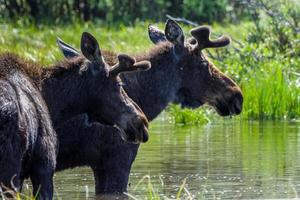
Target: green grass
[
  {"x": 271, "y": 94},
  {"x": 156, "y": 193},
  {"x": 270, "y": 83},
  {"x": 270, "y": 86},
  {"x": 38, "y": 43},
  {"x": 6, "y": 195},
  {"x": 187, "y": 116}
]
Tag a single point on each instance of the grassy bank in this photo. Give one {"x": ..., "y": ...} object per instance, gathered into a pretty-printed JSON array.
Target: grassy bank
[{"x": 270, "y": 82}]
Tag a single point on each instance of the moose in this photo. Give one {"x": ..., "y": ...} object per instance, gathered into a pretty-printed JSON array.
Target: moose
[
  {"x": 27, "y": 138},
  {"x": 35, "y": 101},
  {"x": 180, "y": 73}
]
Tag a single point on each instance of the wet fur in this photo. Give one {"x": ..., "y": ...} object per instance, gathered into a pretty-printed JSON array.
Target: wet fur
[
  {"x": 26, "y": 133},
  {"x": 27, "y": 138}
]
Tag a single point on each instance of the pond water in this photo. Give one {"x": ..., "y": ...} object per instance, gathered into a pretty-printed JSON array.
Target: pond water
[{"x": 229, "y": 159}]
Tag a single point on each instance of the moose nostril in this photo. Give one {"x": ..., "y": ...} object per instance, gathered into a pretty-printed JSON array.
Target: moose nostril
[
  {"x": 143, "y": 129},
  {"x": 238, "y": 107},
  {"x": 140, "y": 129},
  {"x": 145, "y": 134},
  {"x": 139, "y": 121},
  {"x": 238, "y": 103}
]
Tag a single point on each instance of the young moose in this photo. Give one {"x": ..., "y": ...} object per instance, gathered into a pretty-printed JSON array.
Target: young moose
[
  {"x": 84, "y": 84},
  {"x": 180, "y": 73},
  {"x": 96, "y": 89}
]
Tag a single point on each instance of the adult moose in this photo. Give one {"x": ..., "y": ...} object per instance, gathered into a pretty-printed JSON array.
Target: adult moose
[
  {"x": 180, "y": 73},
  {"x": 26, "y": 133},
  {"x": 85, "y": 84}
]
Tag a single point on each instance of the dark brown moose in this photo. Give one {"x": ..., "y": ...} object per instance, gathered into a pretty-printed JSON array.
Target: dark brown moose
[
  {"x": 180, "y": 73},
  {"x": 27, "y": 138},
  {"x": 85, "y": 84}
]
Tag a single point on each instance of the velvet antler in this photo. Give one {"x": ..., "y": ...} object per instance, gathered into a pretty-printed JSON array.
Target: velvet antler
[
  {"x": 128, "y": 64},
  {"x": 202, "y": 34}
]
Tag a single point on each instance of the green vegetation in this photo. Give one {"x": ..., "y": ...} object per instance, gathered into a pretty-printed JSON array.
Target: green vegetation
[
  {"x": 120, "y": 11},
  {"x": 38, "y": 43},
  {"x": 187, "y": 116},
  {"x": 267, "y": 61},
  {"x": 264, "y": 57},
  {"x": 27, "y": 195}
]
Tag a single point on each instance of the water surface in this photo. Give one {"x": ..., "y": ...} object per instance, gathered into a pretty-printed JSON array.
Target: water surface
[{"x": 228, "y": 159}]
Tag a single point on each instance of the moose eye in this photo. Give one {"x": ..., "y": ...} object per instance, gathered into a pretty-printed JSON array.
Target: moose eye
[
  {"x": 121, "y": 84},
  {"x": 203, "y": 65}
]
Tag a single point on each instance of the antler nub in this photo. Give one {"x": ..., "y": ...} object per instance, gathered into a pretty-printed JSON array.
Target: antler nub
[
  {"x": 142, "y": 65},
  {"x": 125, "y": 61},
  {"x": 128, "y": 64}
]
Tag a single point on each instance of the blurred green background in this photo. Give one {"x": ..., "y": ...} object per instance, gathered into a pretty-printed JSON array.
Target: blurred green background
[{"x": 123, "y": 11}]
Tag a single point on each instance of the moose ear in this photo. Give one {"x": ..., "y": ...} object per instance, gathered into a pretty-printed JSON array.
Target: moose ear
[
  {"x": 174, "y": 33},
  {"x": 90, "y": 47},
  {"x": 67, "y": 50},
  {"x": 156, "y": 35}
]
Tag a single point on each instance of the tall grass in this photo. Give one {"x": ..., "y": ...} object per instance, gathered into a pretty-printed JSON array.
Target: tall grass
[{"x": 271, "y": 93}]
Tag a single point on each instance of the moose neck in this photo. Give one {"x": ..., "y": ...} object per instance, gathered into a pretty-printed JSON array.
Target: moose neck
[
  {"x": 64, "y": 94},
  {"x": 155, "y": 89}
]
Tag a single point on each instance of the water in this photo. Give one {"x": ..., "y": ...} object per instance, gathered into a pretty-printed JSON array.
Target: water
[{"x": 227, "y": 159}]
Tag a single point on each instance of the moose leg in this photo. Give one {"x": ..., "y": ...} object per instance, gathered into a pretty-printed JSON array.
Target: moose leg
[
  {"x": 10, "y": 156},
  {"x": 113, "y": 168},
  {"x": 43, "y": 166},
  {"x": 10, "y": 175},
  {"x": 42, "y": 182}
]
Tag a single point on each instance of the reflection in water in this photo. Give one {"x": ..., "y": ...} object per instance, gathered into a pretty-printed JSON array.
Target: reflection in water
[{"x": 228, "y": 159}]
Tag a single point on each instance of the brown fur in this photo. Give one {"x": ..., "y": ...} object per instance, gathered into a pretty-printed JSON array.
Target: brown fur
[
  {"x": 155, "y": 52},
  {"x": 28, "y": 146},
  {"x": 179, "y": 74},
  {"x": 10, "y": 62}
]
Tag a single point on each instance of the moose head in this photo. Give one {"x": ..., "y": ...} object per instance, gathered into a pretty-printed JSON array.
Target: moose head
[
  {"x": 106, "y": 100},
  {"x": 200, "y": 81}
]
